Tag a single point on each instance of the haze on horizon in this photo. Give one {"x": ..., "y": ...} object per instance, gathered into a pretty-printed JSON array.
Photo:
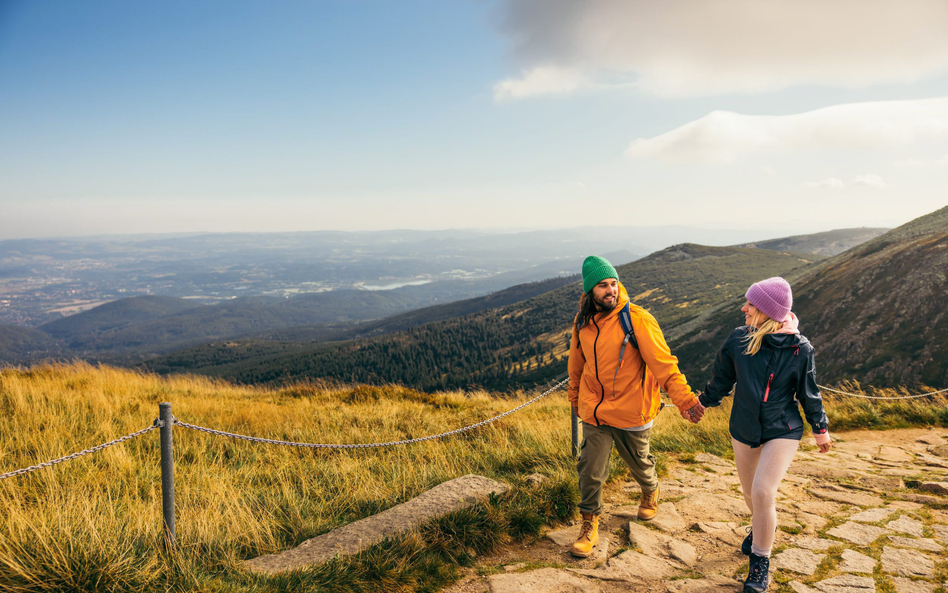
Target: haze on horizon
[{"x": 790, "y": 116}]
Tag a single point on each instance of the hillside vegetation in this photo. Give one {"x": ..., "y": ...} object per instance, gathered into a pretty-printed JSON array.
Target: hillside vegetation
[
  {"x": 875, "y": 313},
  {"x": 93, "y": 523},
  {"x": 826, "y": 244},
  {"x": 523, "y": 343}
]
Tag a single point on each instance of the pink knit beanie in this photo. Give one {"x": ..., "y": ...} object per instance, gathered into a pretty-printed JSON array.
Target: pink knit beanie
[{"x": 772, "y": 297}]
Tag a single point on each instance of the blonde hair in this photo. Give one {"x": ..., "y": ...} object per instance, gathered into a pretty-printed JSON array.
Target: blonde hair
[{"x": 755, "y": 337}]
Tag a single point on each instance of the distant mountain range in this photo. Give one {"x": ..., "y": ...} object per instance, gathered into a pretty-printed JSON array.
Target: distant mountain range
[{"x": 517, "y": 344}]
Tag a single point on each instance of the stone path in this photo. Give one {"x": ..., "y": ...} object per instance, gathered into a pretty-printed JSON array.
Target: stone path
[{"x": 848, "y": 524}]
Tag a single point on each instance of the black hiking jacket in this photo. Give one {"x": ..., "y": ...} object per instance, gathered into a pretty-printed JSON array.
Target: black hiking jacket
[{"x": 769, "y": 385}]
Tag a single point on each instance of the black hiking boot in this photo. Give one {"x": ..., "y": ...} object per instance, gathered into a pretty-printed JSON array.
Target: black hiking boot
[
  {"x": 748, "y": 541},
  {"x": 758, "y": 574}
]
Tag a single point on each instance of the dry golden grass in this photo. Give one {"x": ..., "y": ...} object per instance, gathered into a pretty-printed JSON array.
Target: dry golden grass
[{"x": 94, "y": 523}]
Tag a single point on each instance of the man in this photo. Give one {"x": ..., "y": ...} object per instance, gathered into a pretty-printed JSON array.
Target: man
[{"x": 618, "y": 400}]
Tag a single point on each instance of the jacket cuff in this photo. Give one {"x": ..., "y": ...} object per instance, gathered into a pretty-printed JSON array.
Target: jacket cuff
[
  {"x": 706, "y": 401},
  {"x": 822, "y": 438}
]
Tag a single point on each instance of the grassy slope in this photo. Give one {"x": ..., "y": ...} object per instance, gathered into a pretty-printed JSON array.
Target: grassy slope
[
  {"x": 874, "y": 313},
  {"x": 93, "y": 524},
  {"x": 18, "y": 343},
  {"x": 827, "y": 244},
  {"x": 490, "y": 347}
]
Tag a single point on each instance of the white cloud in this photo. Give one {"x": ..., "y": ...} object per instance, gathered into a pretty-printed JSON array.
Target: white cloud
[
  {"x": 539, "y": 81},
  {"x": 723, "y": 136},
  {"x": 699, "y": 47},
  {"x": 831, "y": 183},
  {"x": 870, "y": 180}
]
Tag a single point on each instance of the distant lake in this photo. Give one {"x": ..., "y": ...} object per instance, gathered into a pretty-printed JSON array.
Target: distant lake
[{"x": 396, "y": 285}]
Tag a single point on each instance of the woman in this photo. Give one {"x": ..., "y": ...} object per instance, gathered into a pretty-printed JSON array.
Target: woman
[{"x": 772, "y": 365}]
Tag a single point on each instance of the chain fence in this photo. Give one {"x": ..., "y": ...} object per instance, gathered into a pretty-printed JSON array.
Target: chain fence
[
  {"x": 862, "y": 395},
  {"x": 369, "y": 445},
  {"x": 95, "y": 449}
]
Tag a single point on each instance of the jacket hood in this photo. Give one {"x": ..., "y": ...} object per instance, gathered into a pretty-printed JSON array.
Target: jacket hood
[{"x": 785, "y": 340}]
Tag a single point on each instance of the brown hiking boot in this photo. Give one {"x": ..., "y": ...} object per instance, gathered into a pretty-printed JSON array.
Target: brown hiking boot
[
  {"x": 649, "y": 505},
  {"x": 588, "y": 536}
]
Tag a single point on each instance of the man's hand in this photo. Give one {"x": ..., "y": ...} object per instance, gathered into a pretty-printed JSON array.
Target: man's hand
[{"x": 694, "y": 414}]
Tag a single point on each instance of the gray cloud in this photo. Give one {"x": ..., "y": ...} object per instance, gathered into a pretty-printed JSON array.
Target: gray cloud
[{"x": 681, "y": 48}]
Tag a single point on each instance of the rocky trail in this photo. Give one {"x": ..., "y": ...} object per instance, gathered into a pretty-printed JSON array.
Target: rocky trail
[{"x": 870, "y": 516}]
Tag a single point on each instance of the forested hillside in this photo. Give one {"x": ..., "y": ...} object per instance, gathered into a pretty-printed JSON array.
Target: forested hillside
[
  {"x": 499, "y": 348},
  {"x": 875, "y": 314}
]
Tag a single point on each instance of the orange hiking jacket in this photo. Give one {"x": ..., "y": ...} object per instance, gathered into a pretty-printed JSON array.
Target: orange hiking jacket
[{"x": 634, "y": 399}]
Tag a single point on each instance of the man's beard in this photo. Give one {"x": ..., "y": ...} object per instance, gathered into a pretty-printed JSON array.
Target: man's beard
[{"x": 604, "y": 307}]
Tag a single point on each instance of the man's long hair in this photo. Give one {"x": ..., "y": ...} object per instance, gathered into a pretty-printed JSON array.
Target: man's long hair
[{"x": 587, "y": 308}]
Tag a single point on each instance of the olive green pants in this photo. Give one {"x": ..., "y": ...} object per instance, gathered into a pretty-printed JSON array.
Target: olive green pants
[{"x": 593, "y": 464}]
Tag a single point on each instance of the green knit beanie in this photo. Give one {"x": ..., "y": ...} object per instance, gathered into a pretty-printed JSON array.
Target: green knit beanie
[{"x": 595, "y": 270}]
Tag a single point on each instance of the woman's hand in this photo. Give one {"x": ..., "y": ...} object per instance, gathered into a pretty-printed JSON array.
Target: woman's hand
[
  {"x": 694, "y": 414},
  {"x": 824, "y": 447}
]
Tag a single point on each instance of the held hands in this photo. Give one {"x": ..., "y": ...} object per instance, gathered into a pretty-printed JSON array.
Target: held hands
[{"x": 694, "y": 414}]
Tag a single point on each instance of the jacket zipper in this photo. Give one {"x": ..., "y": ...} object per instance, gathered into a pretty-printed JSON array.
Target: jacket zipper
[
  {"x": 767, "y": 392},
  {"x": 596, "y": 363}
]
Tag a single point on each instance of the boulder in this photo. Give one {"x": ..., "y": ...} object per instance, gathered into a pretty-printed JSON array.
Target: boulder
[
  {"x": 936, "y": 487},
  {"x": 708, "y": 584},
  {"x": 940, "y": 451},
  {"x": 847, "y": 583}
]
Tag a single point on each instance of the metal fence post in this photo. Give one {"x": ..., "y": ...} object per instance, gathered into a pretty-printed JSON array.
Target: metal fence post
[
  {"x": 167, "y": 473},
  {"x": 575, "y": 423}
]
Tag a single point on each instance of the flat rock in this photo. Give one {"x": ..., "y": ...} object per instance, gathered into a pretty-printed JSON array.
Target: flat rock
[
  {"x": 799, "y": 587},
  {"x": 705, "y": 506},
  {"x": 893, "y": 454},
  {"x": 904, "y": 585},
  {"x": 648, "y": 541},
  {"x": 921, "y": 543},
  {"x": 817, "y": 507},
  {"x": 936, "y": 487},
  {"x": 932, "y": 438},
  {"x": 566, "y": 536},
  {"x": 544, "y": 580},
  {"x": 629, "y": 511},
  {"x": 444, "y": 498},
  {"x": 853, "y": 561},
  {"x": 683, "y": 552},
  {"x": 815, "y": 543},
  {"x": 667, "y": 519},
  {"x": 847, "y": 496},
  {"x": 879, "y": 482},
  {"x": 797, "y": 560},
  {"x": 941, "y": 532},
  {"x": 821, "y": 470},
  {"x": 536, "y": 479},
  {"x": 905, "y": 525},
  {"x": 904, "y": 505},
  {"x": 713, "y": 460},
  {"x": 924, "y": 499},
  {"x": 907, "y": 563},
  {"x": 815, "y": 522},
  {"x": 715, "y": 526},
  {"x": 872, "y": 515},
  {"x": 940, "y": 451},
  {"x": 708, "y": 584},
  {"x": 847, "y": 583},
  {"x": 858, "y": 533},
  {"x": 631, "y": 567}
]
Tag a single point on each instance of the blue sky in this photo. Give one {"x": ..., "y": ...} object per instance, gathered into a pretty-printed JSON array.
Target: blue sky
[{"x": 249, "y": 116}]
